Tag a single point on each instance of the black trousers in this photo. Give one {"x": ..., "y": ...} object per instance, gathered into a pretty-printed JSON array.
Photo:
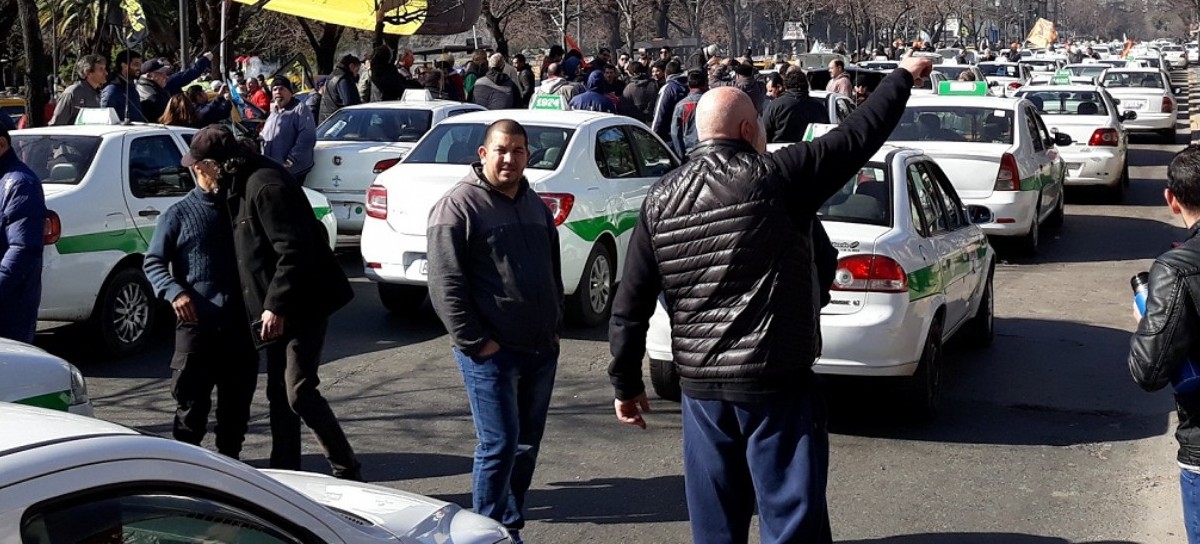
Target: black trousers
[
  {"x": 292, "y": 381},
  {"x": 214, "y": 356}
]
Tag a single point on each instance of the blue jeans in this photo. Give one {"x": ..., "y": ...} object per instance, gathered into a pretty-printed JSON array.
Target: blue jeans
[
  {"x": 773, "y": 454},
  {"x": 510, "y": 396},
  {"x": 1189, "y": 483}
]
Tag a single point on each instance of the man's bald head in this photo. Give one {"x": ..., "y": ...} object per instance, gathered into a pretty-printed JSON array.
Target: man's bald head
[{"x": 728, "y": 113}]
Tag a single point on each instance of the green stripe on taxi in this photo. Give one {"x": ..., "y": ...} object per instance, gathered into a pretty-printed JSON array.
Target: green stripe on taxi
[{"x": 60, "y": 400}]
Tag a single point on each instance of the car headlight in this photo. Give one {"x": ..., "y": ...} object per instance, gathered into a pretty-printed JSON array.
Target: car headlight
[{"x": 79, "y": 392}]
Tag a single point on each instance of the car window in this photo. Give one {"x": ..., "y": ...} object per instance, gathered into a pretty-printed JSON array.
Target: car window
[
  {"x": 926, "y": 201},
  {"x": 57, "y": 158},
  {"x": 1144, "y": 80},
  {"x": 614, "y": 154},
  {"x": 154, "y": 168},
  {"x": 459, "y": 143},
  {"x": 1089, "y": 70},
  {"x": 157, "y": 517},
  {"x": 1031, "y": 128},
  {"x": 375, "y": 125},
  {"x": 955, "y": 124},
  {"x": 955, "y": 215},
  {"x": 866, "y": 198},
  {"x": 1042, "y": 130},
  {"x": 1067, "y": 102},
  {"x": 655, "y": 160},
  {"x": 1000, "y": 70}
]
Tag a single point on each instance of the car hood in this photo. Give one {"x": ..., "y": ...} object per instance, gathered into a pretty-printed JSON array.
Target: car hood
[{"x": 412, "y": 517}]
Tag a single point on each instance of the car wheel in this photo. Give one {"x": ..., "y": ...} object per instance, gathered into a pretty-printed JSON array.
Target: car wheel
[
  {"x": 665, "y": 379},
  {"x": 1125, "y": 174},
  {"x": 1031, "y": 241},
  {"x": 125, "y": 313},
  {"x": 402, "y": 299},
  {"x": 982, "y": 328},
  {"x": 1167, "y": 135},
  {"x": 922, "y": 392},
  {"x": 593, "y": 297}
]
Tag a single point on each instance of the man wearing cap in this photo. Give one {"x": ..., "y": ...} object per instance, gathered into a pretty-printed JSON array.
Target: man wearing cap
[
  {"x": 152, "y": 94},
  {"x": 291, "y": 284},
  {"x": 215, "y": 110},
  {"x": 341, "y": 89},
  {"x": 289, "y": 134},
  {"x": 85, "y": 93},
  {"x": 495, "y": 90},
  {"x": 22, "y": 224}
]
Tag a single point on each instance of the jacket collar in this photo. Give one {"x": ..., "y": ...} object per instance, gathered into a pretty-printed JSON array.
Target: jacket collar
[
  {"x": 716, "y": 145},
  {"x": 1194, "y": 230},
  {"x": 480, "y": 181}
]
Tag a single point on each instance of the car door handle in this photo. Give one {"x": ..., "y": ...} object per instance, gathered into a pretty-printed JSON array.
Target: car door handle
[{"x": 149, "y": 212}]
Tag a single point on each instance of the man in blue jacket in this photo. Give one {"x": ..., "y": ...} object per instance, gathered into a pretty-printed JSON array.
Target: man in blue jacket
[
  {"x": 23, "y": 220},
  {"x": 595, "y": 99},
  {"x": 674, "y": 90},
  {"x": 122, "y": 86},
  {"x": 290, "y": 134}
]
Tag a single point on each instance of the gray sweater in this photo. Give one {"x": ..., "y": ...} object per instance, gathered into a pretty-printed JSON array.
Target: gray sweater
[{"x": 494, "y": 268}]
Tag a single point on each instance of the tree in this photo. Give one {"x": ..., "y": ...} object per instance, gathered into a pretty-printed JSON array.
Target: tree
[
  {"x": 35, "y": 63},
  {"x": 325, "y": 47},
  {"x": 496, "y": 14},
  {"x": 208, "y": 19}
]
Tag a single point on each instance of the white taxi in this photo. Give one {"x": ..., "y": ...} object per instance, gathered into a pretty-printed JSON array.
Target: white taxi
[
  {"x": 1009, "y": 76},
  {"x": 1148, "y": 92},
  {"x": 1193, "y": 51},
  {"x": 36, "y": 378},
  {"x": 1094, "y": 70},
  {"x": 996, "y": 151},
  {"x": 1099, "y": 153},
  {"x": 913, "y": 268},
  {"x": 359, "y": 142},
  {"x": 106, "y": 186},
  {"x": 1175, "y": 55},
  {"x": 591, "y": 169}
]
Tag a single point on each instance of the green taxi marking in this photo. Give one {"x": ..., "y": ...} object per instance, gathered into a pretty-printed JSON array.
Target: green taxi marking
[
  {"x": 124, "y": 240},
  {"x": 322, "y": 212},
  {"x": 923, "y": 283},
  {"x": 554, "y": 102},
  {"x": 962, "y": 88},
  {"x": 60, "y": 400},
  {"x": 591, "y": 229}
]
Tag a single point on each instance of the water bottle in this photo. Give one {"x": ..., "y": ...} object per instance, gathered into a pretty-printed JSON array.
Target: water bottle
[{"x": 1188, "y": 379}]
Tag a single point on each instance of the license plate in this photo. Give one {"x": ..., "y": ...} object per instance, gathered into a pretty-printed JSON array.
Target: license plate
[
  {"x": 350, "y": 210},
  {"x": 1074, "y": 165},
  {"x": 1134, "y": 104},
  {"x": 424, "y": 267},
  {"x": 418, "y": 268}
]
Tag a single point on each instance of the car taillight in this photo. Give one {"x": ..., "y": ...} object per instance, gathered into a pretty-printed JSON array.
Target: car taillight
[
  {"x": 377, "y": 202},
  {"x": 1104, "y": 137},
  {"x": 1014, "y": 85},
  {"x": 53, "y": 230},
  {"x": 1168, "y": 106},
  {"x": 383, "y": 165},
  {"x": 1008, "y": 178},
  {"x": 560, "y": 205},
  {"x": 872, "y": 273}
]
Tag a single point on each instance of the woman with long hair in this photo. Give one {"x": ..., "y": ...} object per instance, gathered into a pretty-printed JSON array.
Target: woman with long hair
[{"x": 180, "y": 112}]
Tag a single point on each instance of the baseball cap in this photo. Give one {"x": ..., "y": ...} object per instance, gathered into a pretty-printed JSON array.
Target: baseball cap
[
  {"x": 217, "y": 86},
  {"x": 215, "y": 142},
  {"x": 155, "y": 65}
]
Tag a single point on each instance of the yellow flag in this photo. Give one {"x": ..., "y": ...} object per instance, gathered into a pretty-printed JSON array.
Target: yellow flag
[{"x": 1042, "y": 34}]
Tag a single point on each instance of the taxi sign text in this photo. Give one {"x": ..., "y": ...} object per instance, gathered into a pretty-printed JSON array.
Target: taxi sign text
[
  {"x": 962, "y": 88},
  {"x": 548, "y": 102}
]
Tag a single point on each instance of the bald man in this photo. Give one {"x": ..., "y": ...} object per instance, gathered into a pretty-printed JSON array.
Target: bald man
[{"x": 744, "y": 300}]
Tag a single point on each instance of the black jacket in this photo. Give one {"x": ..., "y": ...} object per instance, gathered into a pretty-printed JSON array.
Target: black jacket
[
  {"x": 727, "y": 238},
  {"x": 787, "y": 117},
  {"x": 526, "y": 86},
  {"x": 386, "y": 83},
  {"x": 284, "y": 261},
  {"x": 494, "y": 268},
  {"x": 341, "y": 90},
  {"x": 495, "y": 91},
  {"x": 639, "y": 99},
  {"x": 152, "y": 99},
  {"x": 1169, "y": 335}
]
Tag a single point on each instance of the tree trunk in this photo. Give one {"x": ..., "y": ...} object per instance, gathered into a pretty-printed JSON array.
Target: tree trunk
[
  {"x": 495, "y": 26},
  {"x": 208, "y": 20},
  {"x": 661, "y": 9},
  {"x": 325, "y": 47},
  {"x": 35, "y": 63}
]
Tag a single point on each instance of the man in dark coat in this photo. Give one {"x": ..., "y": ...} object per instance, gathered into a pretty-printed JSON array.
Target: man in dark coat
[
  {"x": 341, "y": 88},
  {"x": 121, "y": 93},
  {"x": 595, "y": 98},
  {"x": 787, "y": 118},
  {"x": 22, "y": 225},
  {"x": 495, "y": 90},
  {"x": 669, "y": 95},
  {"x": 386, "y": 81},
  {"x": 640, "y": 94},
  {"x": 291, "y": 285},
  {"x": 525, "y": 80}
]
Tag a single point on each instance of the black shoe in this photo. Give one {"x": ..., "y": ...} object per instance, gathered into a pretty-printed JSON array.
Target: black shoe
[{"x": 353, "y": 474}]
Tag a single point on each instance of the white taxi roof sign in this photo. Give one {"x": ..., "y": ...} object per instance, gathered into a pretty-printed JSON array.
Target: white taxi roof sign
[
  {"x": 417, "y": 95},
  {"x": 97, "y": 116},
  {"x": 816, "y": 130},
  {"x": 962, "y": 88},
  {"x": 556, "y": 102}
]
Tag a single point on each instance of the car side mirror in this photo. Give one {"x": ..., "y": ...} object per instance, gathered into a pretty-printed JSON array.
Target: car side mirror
[
  {"x": 1177, "y": 90},
  {"x": 979, "y": 214},
  {"x": 1129, "y": 115},
  {"x": 1116, "y": 101},
  {"x": 1062, "y": 138}
]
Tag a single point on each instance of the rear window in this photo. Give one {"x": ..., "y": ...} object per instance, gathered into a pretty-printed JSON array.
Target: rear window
[
  {"x": 459, "y": 143},
  {"x": 866, "y": 199},
  {"x": 952, "y": 71},
  {"x": 964, "y": 124},
  {"x": 1090, "y": 70},
  {"x": 1066, "y": 102},
  {"x": 999, "y": 70},
  {"x": 1146, "y": 80},
  {"x": 57, "y": 158},
  {"x": 1175, "y": 48},
  {"x": 375, "y": 125}
]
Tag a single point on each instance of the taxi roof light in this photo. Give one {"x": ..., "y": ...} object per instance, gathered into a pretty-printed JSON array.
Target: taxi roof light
[
  {"x": 962, "y": 88},
  {"x": 417, "y": 95},
  {"x": 97, "y": 116}
]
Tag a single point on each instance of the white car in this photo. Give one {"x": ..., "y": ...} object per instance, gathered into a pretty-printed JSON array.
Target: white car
[
  {"x": 106, "y": 186},
  {"x": 1176, "y": 56},
  {"x": 1154, "y": 60},
  {"x": 1042, "y": 65},
  {"x": 1099, "y": 153},
  {"x": 996, "y": 151},
  {"x": 880, "y": 65},
  {"x": 359, "y": 142},
  {"x": 913, "y": 270},
  {"x": 1009, "y": 76},
  {"x": 70, "y": 479},
  {"x": 1148, "y": 92},
  {"x": 591, "y": 169},
  {"x": 1193, "y": 52},
  {"x": 1094, "y": 70},
  {"x": 36, "y": 378}
]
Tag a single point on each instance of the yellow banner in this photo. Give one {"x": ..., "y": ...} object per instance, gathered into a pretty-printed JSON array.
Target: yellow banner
[
  {"x": 1042, "y": 34},
  {"x": 404, "y": 20}
]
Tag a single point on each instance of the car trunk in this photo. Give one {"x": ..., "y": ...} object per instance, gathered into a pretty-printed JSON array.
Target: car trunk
[
  {"x": 1138, "y": 99},
  {"x": 971, "y": 167},
  {"x": 357, "y": 162},
  {"x": 414, "y": 189},
  {"x": 850, "y": 239},
  {"x": 1078, "y": 127}
]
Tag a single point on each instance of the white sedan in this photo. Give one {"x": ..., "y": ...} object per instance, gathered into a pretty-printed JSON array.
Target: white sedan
[
  {"x": 914, "y": 269},
  {"x": 1176, "y": 56},
  {"x": 36, "y": 378},
  {"x": 591, "y": 169},
  {"x": 1148, "y": 92},
  {"x": 70, "y": 479},
  {"x": 1098, "y": 154}
]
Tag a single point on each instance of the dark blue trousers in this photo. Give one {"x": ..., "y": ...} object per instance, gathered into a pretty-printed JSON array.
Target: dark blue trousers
[{"x": 772, "y": 454}]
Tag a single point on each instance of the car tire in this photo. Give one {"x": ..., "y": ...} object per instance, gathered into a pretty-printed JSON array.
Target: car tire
[
  {"x": 1116, "y": 193},
  {"x": 922, "y": 390},
  {"x": 125, "y": 313},
  {"x": 1030, "y": 242},
  {"x": 664, "y": 377},
  {"x": 981, "y": 330},
  {"x": 1125, "y": 175},
  {"x": 402, "y": 299},
  {"x": 1167, "y": 135},
  {"x": 593, "y": 298}
]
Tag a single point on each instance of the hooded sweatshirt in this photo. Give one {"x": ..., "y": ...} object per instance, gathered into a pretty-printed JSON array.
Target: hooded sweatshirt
[{"x": 595, "y": 98}]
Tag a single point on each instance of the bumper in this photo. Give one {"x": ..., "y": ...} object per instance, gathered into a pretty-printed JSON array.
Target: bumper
[
  {"x": 883, "y": 339},
  {"x": 350, "y": 209},
  {"x": 1151, "y": 121},
  {"x": 392, "y": 257},
  {"x": 1096, "y": 166},
  {"x": 1014, "y": 211},
  {"x": 83, "y": 409}
]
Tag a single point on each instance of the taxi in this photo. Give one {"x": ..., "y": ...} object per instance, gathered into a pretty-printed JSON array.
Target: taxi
[
  {"x": 1148, "y": 92},
  {"x": 106, "y": 184},
  {"x": 996, "y": 151},
  {"x": 36, "y": 378},
  {"x": 1093, "y": 70},
  {"x": 1009, "y": 76},
  {"x": 359, "y": 142},
  {"x": 1099, "y": 153},
  {"x": 914, "y": 268},
  {"x": 1175, "y": 56},
  {"x": 591, "y": 169}
]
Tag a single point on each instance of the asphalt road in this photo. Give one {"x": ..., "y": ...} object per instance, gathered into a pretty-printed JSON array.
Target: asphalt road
[{"x": 1043, "y": 438}]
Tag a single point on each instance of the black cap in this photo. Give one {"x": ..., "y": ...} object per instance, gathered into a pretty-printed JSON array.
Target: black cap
[
  {"x": 155, "y": 65},
  {"x": 282, "y": 81},
  {"x": 215, "y": 142}
]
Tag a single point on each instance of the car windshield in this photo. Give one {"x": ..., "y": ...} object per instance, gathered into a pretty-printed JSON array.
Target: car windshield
[
  {"x": 458, "y": 143},
  {"x": 1040, "y": 65},
  {"x": 57, "y": 158},
  {"x": 1174, "y": 48},
  {"x": 999, "y": 70},
  {"x": 1066, "y": 102},
  {"x": 952, "y": 71},
  {"x": 955, "y": 124},
  {"x": 1146, "y": 80},
  {"x": 1087, "y": 70},
  {"x": 375, "y": 125},
  {"x": 865, "y": 199}
]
